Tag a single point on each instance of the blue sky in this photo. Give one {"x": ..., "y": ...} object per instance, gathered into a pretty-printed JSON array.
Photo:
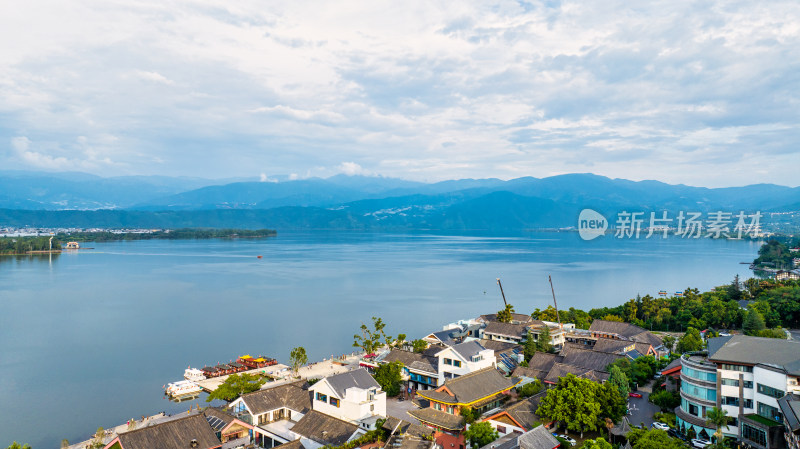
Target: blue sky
[{"x": 701, "y": 93}]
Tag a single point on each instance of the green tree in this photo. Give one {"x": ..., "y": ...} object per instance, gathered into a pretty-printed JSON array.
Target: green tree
[
  {"x": 613, "y": 404},
  {"x": 298, "y": 358},
  {"x": 371, "y": 340},
  {"x": 64, "y": 443},
  {"x": 653, "y": 439},
  {"x": 753, "y": 322},
  {"x": 530, "y": 348},
  {"x": 480, "y": 434},
  {"x": 669, "y": 342},
  {"x": 16, "y": 445},
  {"x": 690, "y": 341},
  {"x": 718, "y": 418},
  {"x": 574, "y": 402},
  {"x": 401, "y": 338},
  {"x": 504, "y": 316},
  {"x": 666, "y": 400},
  {"x": 419, "y": 345},
  {"x": 544, "y": 344},
  {"x": 469, "y": 414},
  {"x": 530, "y": 388},
  {"x": 620, "y": 380},
  {"x": 598, "y": 443},
  {"x": 390, "y": 377},
  {"x": 236, "y": 385}
]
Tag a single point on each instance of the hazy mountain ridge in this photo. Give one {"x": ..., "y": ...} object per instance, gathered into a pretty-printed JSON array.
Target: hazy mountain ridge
[{"x": 359, "y": 202}]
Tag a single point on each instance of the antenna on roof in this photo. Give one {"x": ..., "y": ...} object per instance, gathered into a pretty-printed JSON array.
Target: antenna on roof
[
  {"x": 558, "y": 317},
  {"x": 501, "y": 292}
]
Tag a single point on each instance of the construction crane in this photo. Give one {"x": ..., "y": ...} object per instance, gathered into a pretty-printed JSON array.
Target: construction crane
[
  {"x": 501, "y": 292},
  {"x": 558, "y": 317}
]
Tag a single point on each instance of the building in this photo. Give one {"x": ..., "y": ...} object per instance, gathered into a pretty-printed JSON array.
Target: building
[
  {"x": 536, "y": 438},
  {"x": 614, "y": 330},
  {"x": 516, "y": 418},
  {"x": 316, "y": 429},
  {"x": 231, "y": 432},
  {"x": 352, "y": 396},
  {"x": 745, "y": 376},
  {"x": 193, "y": 431},
  {"x": 782, "y": 275},
  {"x": 439, "y": 364},
  {"x": 790, "y": 408},
  {"x": 404, "y": 435},
  {"x": 482, "y": 391},
  {"x": 517, "y": 331},
  {"x": 273, "y": 412},
  {"x": 573, "y": 359}
]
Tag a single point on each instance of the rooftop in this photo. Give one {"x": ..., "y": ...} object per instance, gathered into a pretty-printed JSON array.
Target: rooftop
[
  {"x": 358, "y": 378},
  {"x": 176, "y": 434},
  {"x": 781, "y": 354},
  {"x": 324, "y": 429},
  {"x": 470, "y": 388}
]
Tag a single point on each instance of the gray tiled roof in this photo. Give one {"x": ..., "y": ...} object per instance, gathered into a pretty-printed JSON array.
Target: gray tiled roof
[
  {"x": 626, "y": 330},
  {"x": 324, "y": 429},
  {"x": 358, "y": 378},
  {"x": 790, "y": 407},
  {"x": 543, "y": 361},
  {"x": 782, "y": 354},
  {"x": 560, "y": 370},
  {"x": 438, "y": 418},
  {"x": 471, "y": 387},
  {"x": 532, "y": 373},
  {"x": 612, "y": 345},
  {"x": 524, "y": 411},
  {"x": 538, "y": 438},
  {"x": 506, "y": 329},
  {"x": 294, "y": 396},
  {"x": 498, "y": 346},
  {"x": 419, "y": 362},
  {"x": 520, "y": 317},
  {"x": 468, "y": 349},
  {"x": 296, "y": 444},
  {"x": 175, "y": 434},
  {"x": 586, "y": 358}
]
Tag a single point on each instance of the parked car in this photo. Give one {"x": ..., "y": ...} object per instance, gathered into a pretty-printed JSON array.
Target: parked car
[
  {"x": 700, "y": 444},
  {"x": 661, "y": 425},
  {"x": 567, "y": 439},
  {"x": 675, "y": 434},
  {"x": 635, "y": 395}
]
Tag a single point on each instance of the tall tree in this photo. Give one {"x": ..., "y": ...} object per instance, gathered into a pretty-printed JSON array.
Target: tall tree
[
  {"x": 298, "y": 358},
  {"x": 504, "y": 316},
  {"x": 371, "y": 340},
  {"x": 753, "y": 322},
  {"x": 390, "y": 377},
  {"x": 16, "y": 445},
  {"x": 573, "y": 401},
  {"x": 480, "y": 434},
  {"x": 669, "y": 342},
  {"x": 620, "y": 380},
  {"x": 530, "y": 348},
  {"x": 236, "y": 385},
  {"x": 718, "y": 418},
  {"x": 690, "y": 341},
  {"x": 653, "y": 439},
  {"x": 419, "y": 345},
  {"x": 544, "y": 343}
]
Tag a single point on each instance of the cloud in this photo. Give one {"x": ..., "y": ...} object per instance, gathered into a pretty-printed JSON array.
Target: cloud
[
  {"x": 679, "y": 91},
  {"x": 265, "y": 178}
]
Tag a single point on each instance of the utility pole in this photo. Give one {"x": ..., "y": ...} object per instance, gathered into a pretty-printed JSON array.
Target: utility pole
[
  {"x": 501, "y": 292},
  {"x": 558, "y": 317}
]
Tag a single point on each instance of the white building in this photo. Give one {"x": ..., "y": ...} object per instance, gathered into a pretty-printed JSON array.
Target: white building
[
  {"x": 353, "y": 396},
  {"x": 440, "y": 363}
]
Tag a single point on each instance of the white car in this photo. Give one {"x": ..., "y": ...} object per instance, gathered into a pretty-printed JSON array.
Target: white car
[
  {"x": 568, "y": 439},
  {"x": 700, "y": 444},
  {"x": 660, "y": 425}
]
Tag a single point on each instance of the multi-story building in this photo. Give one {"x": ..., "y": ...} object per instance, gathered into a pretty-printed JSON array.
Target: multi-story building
[
  {"x": 352, "y": 396},
  {"x": 441, "y": 363},
  {"x": 745, "y": 376},
  {"x": 790, "y": 407}
]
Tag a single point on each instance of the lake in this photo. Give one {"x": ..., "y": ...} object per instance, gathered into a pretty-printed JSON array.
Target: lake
[{"x": 88, "y": 338}]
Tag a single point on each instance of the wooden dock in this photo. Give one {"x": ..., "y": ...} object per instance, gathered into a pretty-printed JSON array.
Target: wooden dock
[{"x": 274, "y": 371}]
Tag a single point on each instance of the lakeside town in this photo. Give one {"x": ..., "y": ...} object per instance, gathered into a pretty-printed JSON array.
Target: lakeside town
[{"x": 549, "y": 379}]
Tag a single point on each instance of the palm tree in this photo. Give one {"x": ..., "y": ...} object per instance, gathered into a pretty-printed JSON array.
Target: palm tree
[{"x": 718, "y": 418}]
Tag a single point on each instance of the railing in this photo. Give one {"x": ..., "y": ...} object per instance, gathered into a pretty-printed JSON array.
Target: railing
[{"x": 240, "y": 442}]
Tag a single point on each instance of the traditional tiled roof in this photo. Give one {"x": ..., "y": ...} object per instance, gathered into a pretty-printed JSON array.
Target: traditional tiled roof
[
  {"x": 538, "y": 438},
  {"x": 499, "y": 346},
  {"x": 175, "y": 434},
  {"x": 419, "y": 362},
  {"x": 438, "y": 418},
  {"x": 586, "y": 358},
  {"x": 506, "y": 329},
  {"x": 782, "y": 354},
  {"x": 532, "y": 373},
  {"x": 468, "y": 349},
  {"x": 560, "y": 370},
  {"x": 626, "y": 330},
  {"x": 404, "y": 435},
  {"x": 471, "y": 388},
  {"x": 622, "y": 428},
  {"x": 294, "y": 396},
  {"x": 543, "y": 361},
  {"x": 643, "y": 348},
  {"x": 296, "y": 444},
  {"x": 324, "y": 429},
  {"x": 524, "y": 411},
  {"x": 358, "y": 378},
  {"x": 611, "y": 345},
  {"x": 393, "y": 424},
  {"x": 518, "y": 317}
]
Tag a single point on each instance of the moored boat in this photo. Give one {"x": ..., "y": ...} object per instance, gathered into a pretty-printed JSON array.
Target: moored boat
[
  {"x": 193, "y": 374},
  {"x": 182, "y": 388},
  {"x": 256, "y": 362}
]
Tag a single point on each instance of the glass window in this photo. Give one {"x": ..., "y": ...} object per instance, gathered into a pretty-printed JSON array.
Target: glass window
[
  {"x": 730, "y": 400},
  {"x": 457, "y": 363},
  {"x": 748, "y": 384},
  {"x": 699, "y": 392},
  {"x": 769, "y": 391},
  {"x": 748, "y": 403},
  {"x": 322, "y": 397},
  {"x": 697, "y": 374},
  {"x": 334, "y": 402},
  {"x": 501, "y": 429},
  {"x": 770, "y": 412},
  {"x": 754, "y": 434},
  {"x": 730, "y": 382},
  {"x": 730, "y": 367},
  {"x": 448, "y": 362}
]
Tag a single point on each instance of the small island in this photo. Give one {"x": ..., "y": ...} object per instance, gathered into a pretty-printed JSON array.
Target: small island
[{"x": 780, "y": 253}]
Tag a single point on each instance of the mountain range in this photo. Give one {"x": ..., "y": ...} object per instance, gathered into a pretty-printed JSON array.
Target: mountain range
[{"x": 358, "y": 202}]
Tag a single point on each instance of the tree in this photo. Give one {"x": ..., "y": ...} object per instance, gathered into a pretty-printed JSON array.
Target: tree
[
  {"x": 530, "y": 347},
  {"x": 653, "y": 439},
  {"x": 16, "y": 445},
  {"x": 480, "y": 434},
  {"x": 573, "y": 401},
  {"x": 64, "y": 443},
  {"x": 599, "y": 443},
  {"x": 753, "y": 322},
  {"x": 371, "y": 340},
  {"x": 718, "y": 418},
  {"x": 544, "y": 344},
  {"x": 298, "y": 358},
  {"x": 236, "y": 385},
  {"x": 669, "y": 341},
  {"x": 469, "y": 414},
  {"x": 401, "y": 338},
  {"x": 530, "y": 388},
  {"x": 419, "y": 345},
  {"x": 390, "y": 377},
  {"x": 620, "y": 380},
  {"x": 666, "y": 400},
  {"x": 611, "y": 317},
  {"x": 690, "y": 341},
  {"x": 504, "y": 316},
  {"x": 612, "y": 403}
]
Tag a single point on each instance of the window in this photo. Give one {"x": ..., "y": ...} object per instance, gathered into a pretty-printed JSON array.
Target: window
[
  {"x": 334, "y": 402},
  {"x": 457, "y": 363},
  {"x": 699, "y": 392},
  {"x": 501, "y": 429},
  {"x": 769, "y": 412},
  {"x": 769, "y": 391},
  {"x": 322, "y": 397},
  {"x": 697, "y": 374},
  {"x": 754, "y": 434},
  {"x": 448, "y": 362},
  {"x": 693, "y": 409},
  {"x": 450, "y": 409},
  {"x": 729, "y": 367},
  {"x": 371, "y": 395},
  {"x": 372, "y": 407},
  {"x": 748, "y": 384},
  {"x": 748, "y": 403},
  {"x": 730, "y": 400},
  {"x": 477, "y": 358},
  {"x": 730, "y": 382}
]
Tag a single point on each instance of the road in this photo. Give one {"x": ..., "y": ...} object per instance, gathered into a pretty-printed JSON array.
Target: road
[{"x": 641, "y": 409}]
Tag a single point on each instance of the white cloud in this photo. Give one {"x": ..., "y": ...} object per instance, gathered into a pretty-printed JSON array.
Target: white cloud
[
  {"x": 351, "y": 168},
  {"x": 154, "y": 77}
]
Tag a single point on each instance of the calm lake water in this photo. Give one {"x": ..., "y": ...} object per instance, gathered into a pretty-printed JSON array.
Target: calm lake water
[{"x": 87, "y": 339}]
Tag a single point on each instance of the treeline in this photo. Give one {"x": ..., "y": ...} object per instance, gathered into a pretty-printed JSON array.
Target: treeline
[
  {"x": 22, "y": 245},
  {"x": 777, "y": 253},
  {"x": 777, "y": 303},
  {"x": 168, "y": 234}
]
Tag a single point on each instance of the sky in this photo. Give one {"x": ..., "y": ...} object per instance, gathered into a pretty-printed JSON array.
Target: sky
[{"x": 702, "y": 93}]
